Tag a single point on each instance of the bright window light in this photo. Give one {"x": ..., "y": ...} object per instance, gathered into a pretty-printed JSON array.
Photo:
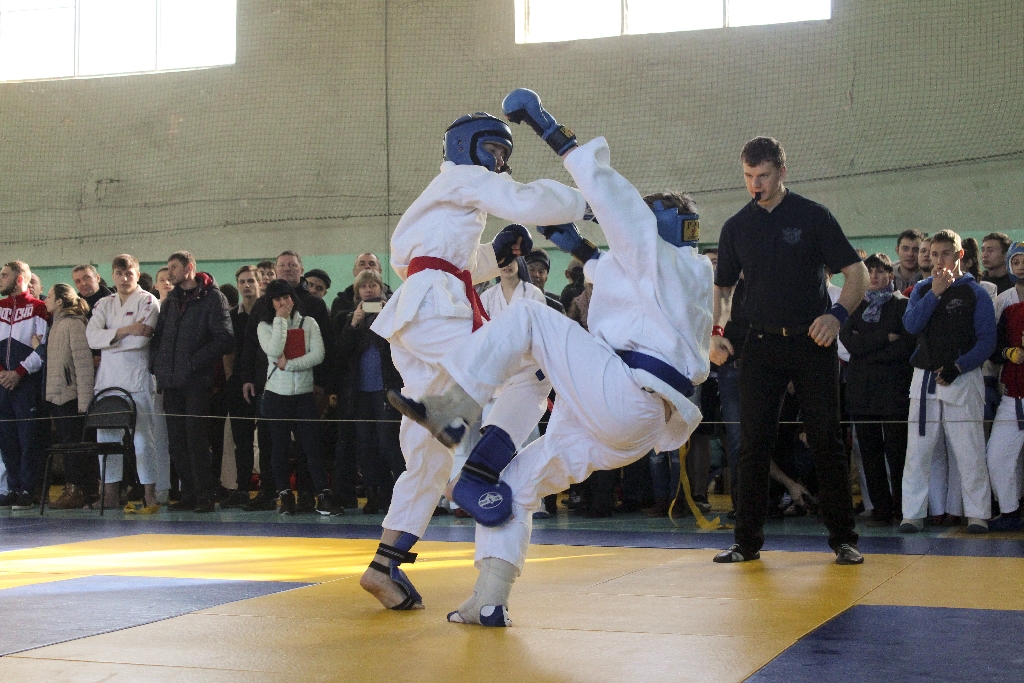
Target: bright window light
[
  {"x": 68, "y": 38},
  {"x": 37, "y": 39},
  {"x": 542, "y": 21},
  {"x": 116, "y": 36},
  {"x": 196, "y": 33},
  {"x": 663, "y": 16},
  {"x": 555, "y": 20},
  {"x": 755, "y": 12}
]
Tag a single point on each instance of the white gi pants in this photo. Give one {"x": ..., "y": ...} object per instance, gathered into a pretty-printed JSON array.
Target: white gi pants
[
  {"x": 146, "y": 454},
  {"x": 163, "y": 448},
  {"x": 1003, "y": 455},
  {"x": 954, "y": 426},
  {"x": 417, "y": 350},
  {"x": 602, "y": 418},
  {"x": 944, "y": 495}
]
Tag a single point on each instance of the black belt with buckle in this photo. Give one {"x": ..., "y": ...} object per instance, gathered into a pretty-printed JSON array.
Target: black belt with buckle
[{"x": 795, "y": 331}]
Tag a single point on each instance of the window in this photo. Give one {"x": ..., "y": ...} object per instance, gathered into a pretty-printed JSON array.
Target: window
[
  {"x": 69, "y": 38},
  {"x": 543, "y": 21}
]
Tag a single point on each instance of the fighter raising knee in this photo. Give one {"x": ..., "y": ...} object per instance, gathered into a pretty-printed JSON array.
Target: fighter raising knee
[
  {"x": 622, "y": 388},
  {"x": 436, "y": 250}
]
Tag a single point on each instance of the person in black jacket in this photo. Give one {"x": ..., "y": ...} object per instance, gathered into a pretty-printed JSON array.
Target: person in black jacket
[
  {"x": 878, "y": 386},
  {"x": 192, "y": 333},
  {"x": 367, "y": 373},
  {"x": 346, "y": 300}
]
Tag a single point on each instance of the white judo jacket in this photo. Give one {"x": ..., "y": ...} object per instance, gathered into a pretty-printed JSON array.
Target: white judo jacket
[
  {"x": 494, "y": 302},
  {"x": 649, "y": 296},
  {"x": 447, "y": 220},
  {"x": 125, "y": 363}
]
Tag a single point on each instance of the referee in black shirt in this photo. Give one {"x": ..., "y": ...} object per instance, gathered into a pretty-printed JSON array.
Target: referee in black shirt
[{"x": 781, "y": 242}]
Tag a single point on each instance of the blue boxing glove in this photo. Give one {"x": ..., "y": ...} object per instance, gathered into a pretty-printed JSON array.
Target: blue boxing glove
[
  {"x": 524, "y": 105},
  {"x": 506, "y": 240},
  {"x": 567, "y": 237}
]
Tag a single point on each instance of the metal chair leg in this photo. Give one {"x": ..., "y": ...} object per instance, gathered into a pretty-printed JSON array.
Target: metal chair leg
[
  {"x": 46, "y": 491},
  {"x": 103, "y": 483}
]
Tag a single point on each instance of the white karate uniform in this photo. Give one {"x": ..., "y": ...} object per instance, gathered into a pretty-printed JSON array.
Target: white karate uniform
[
  {"x": 495, "y": 304},
  {"x": 430, "y": 312},
  {"x": 1003, "y": 454},
  {"x": 953, "y": 429},
  {"x": 125, "y": 364},
  {"x": 648, "y": 297}
]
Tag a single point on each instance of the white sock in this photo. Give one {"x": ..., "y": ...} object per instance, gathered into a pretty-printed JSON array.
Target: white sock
[{"x": 492, "y": 588}]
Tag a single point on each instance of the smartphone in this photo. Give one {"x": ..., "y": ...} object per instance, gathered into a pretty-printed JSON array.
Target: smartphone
[{"x": 372, "y": 306}]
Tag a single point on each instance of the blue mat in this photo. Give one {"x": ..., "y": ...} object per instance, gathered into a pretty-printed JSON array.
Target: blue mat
[
  {"x": 888, "y": 644},
  {"x": 55, "y": 612},
  {"x": 34, "y": 532}
]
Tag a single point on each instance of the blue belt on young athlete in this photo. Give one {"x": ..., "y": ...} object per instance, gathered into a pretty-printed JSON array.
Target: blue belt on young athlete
[{"x": 660, "y": 369}]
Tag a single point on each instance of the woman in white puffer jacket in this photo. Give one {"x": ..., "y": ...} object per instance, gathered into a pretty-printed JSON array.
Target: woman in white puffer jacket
[{"x": 287, "y": 401}]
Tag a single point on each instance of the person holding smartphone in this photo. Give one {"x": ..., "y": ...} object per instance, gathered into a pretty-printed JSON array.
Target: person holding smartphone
[{"x": 367, "y": 373}]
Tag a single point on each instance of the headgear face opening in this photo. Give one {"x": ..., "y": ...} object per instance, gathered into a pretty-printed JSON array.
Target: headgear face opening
[
  {"x": 464, "y": 141},
  {"x": 678, "y": 229},
  {"x": 1015, "y": 248}
]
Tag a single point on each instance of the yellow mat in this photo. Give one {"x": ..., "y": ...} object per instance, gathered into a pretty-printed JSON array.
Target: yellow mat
[{"x": 581, "y": 613}]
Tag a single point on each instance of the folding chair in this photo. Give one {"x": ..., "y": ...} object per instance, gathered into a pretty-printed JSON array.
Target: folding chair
[{"x": 112, "y": 408}]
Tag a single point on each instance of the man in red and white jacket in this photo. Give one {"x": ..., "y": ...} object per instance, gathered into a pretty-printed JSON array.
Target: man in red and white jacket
[{"x": 22, "y": 318}]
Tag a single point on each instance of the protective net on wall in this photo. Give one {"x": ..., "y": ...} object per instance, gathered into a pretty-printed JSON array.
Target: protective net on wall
[{"x": 329, "y": 123}]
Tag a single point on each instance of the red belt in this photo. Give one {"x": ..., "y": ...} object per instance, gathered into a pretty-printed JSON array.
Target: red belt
[{"x": 421, "y": 263}]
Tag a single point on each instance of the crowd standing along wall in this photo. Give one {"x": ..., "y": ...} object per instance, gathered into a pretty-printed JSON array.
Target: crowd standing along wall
[{"x": 895, "y": 114}]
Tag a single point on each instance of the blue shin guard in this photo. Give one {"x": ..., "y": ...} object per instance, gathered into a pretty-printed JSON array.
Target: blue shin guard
[
  {"x": 479, "y": 491},
  {"x": 397, "y": 554}
]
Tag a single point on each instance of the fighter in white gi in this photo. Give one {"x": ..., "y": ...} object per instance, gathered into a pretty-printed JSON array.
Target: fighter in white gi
[
  {"x": 954, "y": 321},
  {"x": 622, "y": 389},
  {"x": 121, "y": 327},
  {"x": 1003, "y": 453},
  {"x": 436, "y": 250}
]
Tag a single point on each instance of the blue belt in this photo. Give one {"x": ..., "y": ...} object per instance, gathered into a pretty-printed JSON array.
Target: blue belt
[
  {"x": 1020, "y": 414},
  {"x": 660, "y": 369},
  {"x": 927, "y": 387}
]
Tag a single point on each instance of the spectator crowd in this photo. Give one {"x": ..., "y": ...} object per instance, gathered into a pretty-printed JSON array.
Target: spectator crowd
[{"x": 302, "y": 379}]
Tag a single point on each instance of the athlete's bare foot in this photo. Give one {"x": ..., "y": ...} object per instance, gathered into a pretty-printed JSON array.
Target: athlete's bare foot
[{"x": 379, "y": 585}]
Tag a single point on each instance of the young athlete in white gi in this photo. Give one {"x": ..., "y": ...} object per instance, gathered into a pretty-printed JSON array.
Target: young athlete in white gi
[
  {"x": 121, "y": 327},
  {"x": 436, "y": 250},
  {"x": 622, "y": 389},
  {"x": 1003, "y": 452},
  {"x": 954, "y": 320}
]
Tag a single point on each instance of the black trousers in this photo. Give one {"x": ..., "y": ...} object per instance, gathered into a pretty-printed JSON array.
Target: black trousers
[
  {"x": 380, "y": 452},
  {"x": 301, "y": 408},
  {"x": 770, "y": 362},
  {"x": 188, "y": 439},
  {"x": 883, "y": 439},
  {"x": 68, "y": 424},
  {"x": 246, "y": 432}
]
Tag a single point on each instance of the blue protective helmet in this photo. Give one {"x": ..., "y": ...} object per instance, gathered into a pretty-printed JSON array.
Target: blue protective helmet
[
  {"x": 678, "y": 229},
  {"x": 1015, "y": 248},
  {"x": 465, "y": 138}
]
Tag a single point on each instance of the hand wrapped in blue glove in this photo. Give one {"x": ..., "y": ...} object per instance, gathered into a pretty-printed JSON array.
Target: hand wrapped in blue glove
[
  {"x": 513, "y": 240},
  {"x": 567, "y": 237},
  {"x": 524, "y": 105}
]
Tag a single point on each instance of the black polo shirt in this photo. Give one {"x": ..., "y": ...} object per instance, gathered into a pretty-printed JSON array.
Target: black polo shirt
[{"x": 782, "y": 255}]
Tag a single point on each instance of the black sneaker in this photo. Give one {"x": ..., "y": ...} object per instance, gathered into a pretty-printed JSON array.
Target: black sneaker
[
  {"x": 323, "y": 502},
  {"x": 735, "y": 553},
  {"x": 336, "y": 509},
  {"x": 186, "y": 504},
  {"x": 848, "y": 554},
  {"x": 23, "y": 501},
  {"x": 204, "y": 505},
  {"x": 261, "y": 503},
  {"x": 8, "y": 499},
  {"x": 237, "y": 499},
  {"x": 307, "y": 502},
  {"x": 287, "y": 502}
]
